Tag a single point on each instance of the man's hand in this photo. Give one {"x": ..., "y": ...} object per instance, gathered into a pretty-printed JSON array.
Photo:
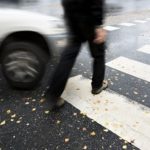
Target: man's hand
[{"x": 100, "y": 35}]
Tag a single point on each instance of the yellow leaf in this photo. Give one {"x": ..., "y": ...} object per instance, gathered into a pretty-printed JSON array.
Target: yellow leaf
[
  {"x": 66, "y": 140},
  {"x": 3, "y": 123},
  {"x": 8, "y": 111},
  {"x": 93, "y": 133}
]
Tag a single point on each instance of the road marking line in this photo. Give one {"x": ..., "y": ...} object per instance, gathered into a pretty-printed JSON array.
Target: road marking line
[
  {"x": 145, "y": 49},
  {"x": 111, "y": 28},
  {"x": 131, "y": 67},
  {"x": 148, "y": 19},
  {"x": 127, "y": 24},
  {"x": 140, "y": 21},
  {"x": 127, "y": 119}
]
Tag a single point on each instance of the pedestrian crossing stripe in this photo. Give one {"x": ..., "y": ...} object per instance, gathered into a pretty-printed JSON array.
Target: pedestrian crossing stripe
[
  {"x": 127, "y": 24},
  {"x": 124, "y": 117},
  {"x": 145, "y": 49},
  {"x": 131, "y": 67},
  {"x": 111, "y": 28},
  {"x": 148, "y": 19},
  {"x": 140, "y": 21}
]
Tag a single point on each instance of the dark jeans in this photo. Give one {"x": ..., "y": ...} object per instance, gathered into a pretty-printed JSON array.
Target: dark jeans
[{"x": 67, "y": 61}]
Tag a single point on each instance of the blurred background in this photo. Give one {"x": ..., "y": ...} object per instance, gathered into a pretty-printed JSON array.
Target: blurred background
[{"x": 53, "y": 7}]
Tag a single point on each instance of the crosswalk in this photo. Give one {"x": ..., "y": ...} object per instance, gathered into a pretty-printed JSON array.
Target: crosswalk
[
  {"x": 132, "y": 67},
  {"x": 120, "y": 114},
  {"x": 126, "y": 24},
  {"x": 144, "y": 49}
]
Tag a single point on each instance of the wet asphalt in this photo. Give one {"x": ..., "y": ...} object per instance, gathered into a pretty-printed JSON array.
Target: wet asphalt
[{"x": 29, "y": 125}]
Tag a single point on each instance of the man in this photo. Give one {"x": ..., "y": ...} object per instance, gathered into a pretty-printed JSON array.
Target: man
[{"x": 84, "y": 19}]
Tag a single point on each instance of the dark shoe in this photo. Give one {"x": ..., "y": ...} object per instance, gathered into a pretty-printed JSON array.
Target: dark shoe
[
  {"x": 55, "y": 102},
  {"x": 60, "y": 103},
  {"x": 100, "y": 89}
]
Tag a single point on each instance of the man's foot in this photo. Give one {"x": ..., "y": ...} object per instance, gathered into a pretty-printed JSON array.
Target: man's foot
[
  {"x": 60, "y": 103},
  {"x": 100, "y": 89},
  {"x": 55, "y": 102}
]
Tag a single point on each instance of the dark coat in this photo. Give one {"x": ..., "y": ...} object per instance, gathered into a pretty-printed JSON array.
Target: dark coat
[{"x": 88, "y": 11}]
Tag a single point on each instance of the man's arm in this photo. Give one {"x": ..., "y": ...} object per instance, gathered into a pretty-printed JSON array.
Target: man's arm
[{"x": 97, "y": 11}]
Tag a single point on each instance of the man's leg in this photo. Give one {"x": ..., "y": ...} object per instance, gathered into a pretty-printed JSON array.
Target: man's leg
[
  {"x": 98, "y": 53},
  {"x": 63, "y": 69}
]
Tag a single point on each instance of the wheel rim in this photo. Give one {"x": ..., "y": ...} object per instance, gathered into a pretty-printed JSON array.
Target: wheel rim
[{"x": 21, "y": 66}]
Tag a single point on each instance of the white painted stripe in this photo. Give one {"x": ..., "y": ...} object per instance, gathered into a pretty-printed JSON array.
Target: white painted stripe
[
  {"x": 127, "y": 24},
  {"x": 132, "y": 67},
  {"x": 140, "y": 21},
  {"x": 127, "y": 119},
  {"x": 148, "y": 19},
  {"x": 145, "y": 49},
  {"x": 111, "y": 28}
]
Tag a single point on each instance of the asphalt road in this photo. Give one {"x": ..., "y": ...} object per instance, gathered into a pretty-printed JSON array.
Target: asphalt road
[{"x": 28, "y": 123}]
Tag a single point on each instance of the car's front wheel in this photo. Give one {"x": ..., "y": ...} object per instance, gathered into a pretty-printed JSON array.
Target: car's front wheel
[{"x": 23, "y": 64}]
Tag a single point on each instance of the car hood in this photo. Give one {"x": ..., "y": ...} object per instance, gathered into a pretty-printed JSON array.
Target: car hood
[
  {"x": 19, "y": 14},
  {"x": 15, "y": 19}
]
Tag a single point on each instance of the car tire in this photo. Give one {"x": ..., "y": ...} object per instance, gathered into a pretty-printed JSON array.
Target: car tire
[{"x": 23, "y": 64}]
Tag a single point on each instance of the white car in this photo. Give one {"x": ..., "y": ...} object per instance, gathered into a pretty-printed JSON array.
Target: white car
[{"x": 25, "y": 45}]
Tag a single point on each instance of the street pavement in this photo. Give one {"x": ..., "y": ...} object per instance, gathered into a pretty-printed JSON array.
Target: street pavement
[{"x": 116, "y": 119}]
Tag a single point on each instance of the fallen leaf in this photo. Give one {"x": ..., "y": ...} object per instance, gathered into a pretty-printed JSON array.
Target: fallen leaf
[
  {"x": 93, "y": 133},
  {"x": 111, "y": 83},
  {"x": 13, "y": 116},
  {"x": 18, "y": 121},
  {"x": 42, "y": 100},
  {"x": 2, "y": 100},
  {"x": 33, "y": 100},
  {"x": 11, "y": 120},
  {"x": 8, "y": 111},
  {"x": 3, "y": 123},
  {"x": 132, "y": 141},
  {"x": 105, "y": 130},
  {"x": 85, "y": 147},
  {"x": 124, "y": 147},
  {"x": 58, "y": 122},
  {"x": 106, "y": 109},
  {"x": 27, "y": 124},
  {"x": 66, "y": 140},
  {"x": 27, "y": 103},
  {"x": 47, "y": 111},
  {"x": 33, "y": 109},
  {"x": 121, "y": 126},
  {"x": 84, "y": 129},
  {"x": 136, "y": 93},
  {"x": 20, "y": 118},
  {"x": 75, "y": 114},
  {"x": 83, "y": 113}
]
